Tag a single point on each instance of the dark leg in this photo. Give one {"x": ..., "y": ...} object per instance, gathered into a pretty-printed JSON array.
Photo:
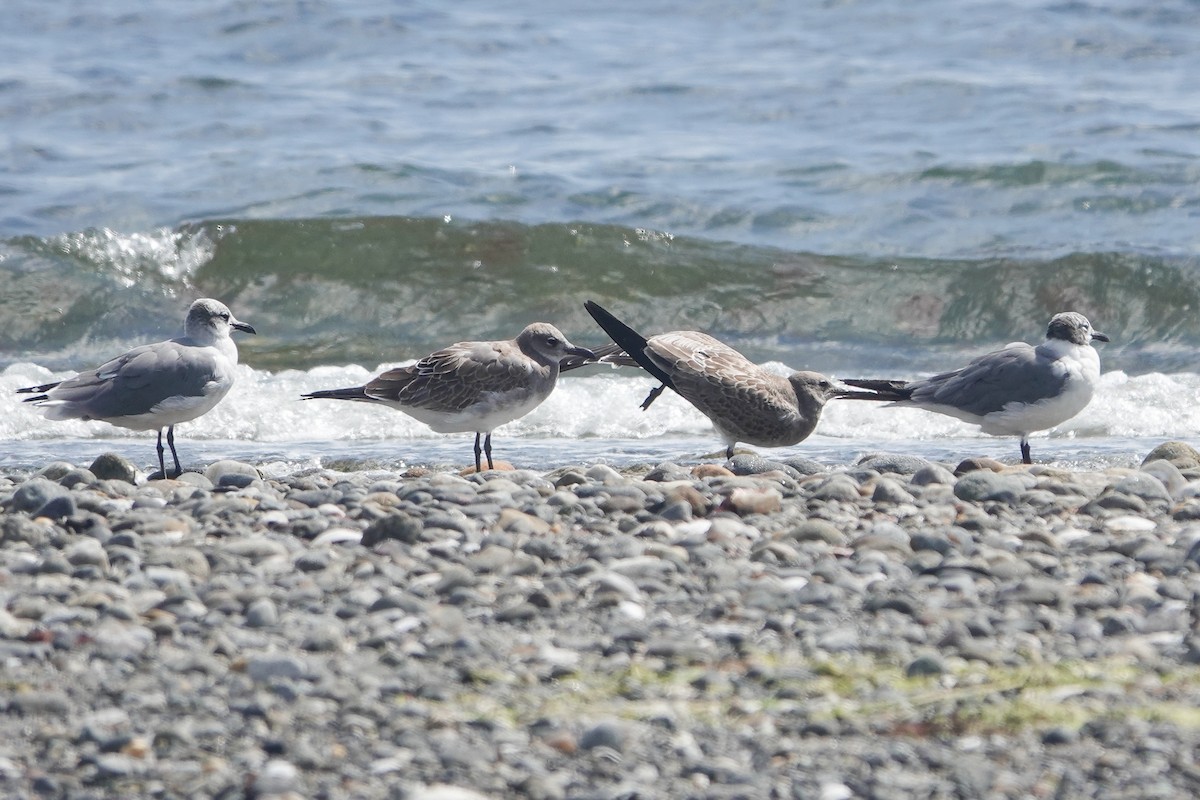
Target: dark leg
[
  {"x": 729, "y": 451},
  {"x": 162, "y": 467},
  {"x": 1025, "y": 457},
  {"x": 174, "y": 455},
  {"x": 650, "y": 398},
  {"x": 478, "y": 465},
  {"x": 487, "y": 448}
]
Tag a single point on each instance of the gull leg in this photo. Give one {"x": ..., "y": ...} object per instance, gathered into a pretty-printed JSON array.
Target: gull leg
[
  {"x": 487, "y": 448},
  {"x": 162, "y": 467},
  {"x": 478, "y": 465},
  {"x": 1025, "y": 456},
  {"x": 729, "y": 451},
  {"x": 650, "y": 398},
  {"x": 174, "y": 455}
]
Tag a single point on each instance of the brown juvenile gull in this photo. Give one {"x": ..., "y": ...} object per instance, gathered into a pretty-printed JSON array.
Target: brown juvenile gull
[
  {"x": 745, "y": 402},
  {"x": 472, "y": 386},
  {"x": 154, "y": 386},
  {"x": 1013, "y": 391}
]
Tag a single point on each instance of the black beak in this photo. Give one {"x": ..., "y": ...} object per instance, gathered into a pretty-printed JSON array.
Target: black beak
[
  {"x": 582, "y": 352},
  {"x": 1100, "y": 337},
  {"x": 245, "y": 327}
]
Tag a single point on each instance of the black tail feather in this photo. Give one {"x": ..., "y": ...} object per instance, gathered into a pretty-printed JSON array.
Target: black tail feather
[
  {"x": 878, "y": 389},
  {"x": 350, "y": 393},
  {"x": 45, "y": 387},
  {"x": 629, "y": 340}
]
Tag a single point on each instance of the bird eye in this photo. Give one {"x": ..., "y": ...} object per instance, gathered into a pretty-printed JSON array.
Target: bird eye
[{"x": 552, "y": 341}]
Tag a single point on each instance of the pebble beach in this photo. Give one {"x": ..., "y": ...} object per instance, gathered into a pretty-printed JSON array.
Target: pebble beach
[{"x": 892, "y": 628}]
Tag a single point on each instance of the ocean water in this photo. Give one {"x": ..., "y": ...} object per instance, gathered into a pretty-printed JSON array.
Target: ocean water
[{"x": 878, "y": 189}]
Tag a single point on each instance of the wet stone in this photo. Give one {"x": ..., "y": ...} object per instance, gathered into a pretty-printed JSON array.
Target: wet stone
[
  {"x": 35, "y": 493},
  {"x": 890, "y": 491},
  {"x": 114, "y": 467},
  {"x": 984, "y": 485},
  {"x": 57, "y": 508},
  {"x": 805, "y": 466},
  {"x": 748, "y": 464},
  {"x": 398, "y": 525},
  {"x": 894, "y": 463},
  {"x": 837, "y": 487}
]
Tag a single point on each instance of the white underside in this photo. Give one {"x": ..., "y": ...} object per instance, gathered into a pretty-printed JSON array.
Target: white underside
[
  {"x": 176, "y": 409},
  {"x": 483, "y": 417},
  {"x": 171, "y": 411},
  {"x": 1081, "y": 367}
]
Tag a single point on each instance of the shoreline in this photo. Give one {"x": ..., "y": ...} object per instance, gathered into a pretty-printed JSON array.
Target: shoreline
[{"x": 881, "y": 629}]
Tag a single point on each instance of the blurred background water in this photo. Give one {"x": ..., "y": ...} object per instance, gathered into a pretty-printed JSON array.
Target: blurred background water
[{"x": 876, "y": 189}]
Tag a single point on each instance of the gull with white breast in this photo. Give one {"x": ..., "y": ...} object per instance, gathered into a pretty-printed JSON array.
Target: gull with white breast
[
  {"x": 1014, "y": 391},
  {"x": 154, "y": 386},
  {"x": 472, "y": 386}
]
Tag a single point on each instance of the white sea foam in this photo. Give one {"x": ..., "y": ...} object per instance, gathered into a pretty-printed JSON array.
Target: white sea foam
[{"x": 266, "y": 407}]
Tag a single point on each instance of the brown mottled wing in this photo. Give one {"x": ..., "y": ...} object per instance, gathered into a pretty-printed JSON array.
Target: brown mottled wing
[
  {"x": 456, "y": 377},
  {"x": 726, "y": 386}
]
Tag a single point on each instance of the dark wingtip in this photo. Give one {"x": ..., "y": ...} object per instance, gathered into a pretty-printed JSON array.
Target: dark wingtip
[
  {"x": 876, "y": 389},
  {"x": 45, "y": 387},
  {"x": 351, "y": 393},
  {"x": 629, "y": 340}
]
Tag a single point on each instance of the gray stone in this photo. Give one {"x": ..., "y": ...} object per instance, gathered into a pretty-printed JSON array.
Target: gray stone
[
  {"x": 983, "y": 485},
  {"x": 57, "y": 508},
  {"x": 262, "y": 613},
  {"x": 817, "y": 530},
  {"x": 114, "y": 467},
  {"x": 605, "y": 734},
  {"x": 896, "y": 463},
  {"x": 1181, "y": 454},
  {"x": 397, "y": 525},
  {"x": 217, "y": 471},
  {"x": 668, "y": 471},
  {"x": 77, "y": 476},
  {"x": 323, "y": 636},
  {"x": 1168, "y": 473},
  {"x": 925, "y": 665},
  {"x": 934, "y": 541},
  {"x": 933, "y": 474},
  {"x": 978, "y": 463},
  {"x": 837, "y": 487},
  {"x": 266, "y": 667},
  {"x": 888, "y": 490},
  {"x": 805, "y": 466},
  {"x": 35, "y": 493},
  {"x": 1145, "y": 485},
  {"x": 750, "y": 464},
  {"x": 55, "y": 470}
]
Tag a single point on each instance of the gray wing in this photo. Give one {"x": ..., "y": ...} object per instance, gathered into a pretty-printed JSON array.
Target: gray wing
[
  {"x": 137, "y": 381},
  {"x": 459, "y": 376},
  {"x": 992, "y": 381}
]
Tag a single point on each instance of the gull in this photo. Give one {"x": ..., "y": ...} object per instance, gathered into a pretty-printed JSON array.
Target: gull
[
  {"x": 745, "y": 402},
  {"x": 1013, "y": 391},
  {"x": 154, "y": 386},
  {"x": 472, "y": 386}
]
